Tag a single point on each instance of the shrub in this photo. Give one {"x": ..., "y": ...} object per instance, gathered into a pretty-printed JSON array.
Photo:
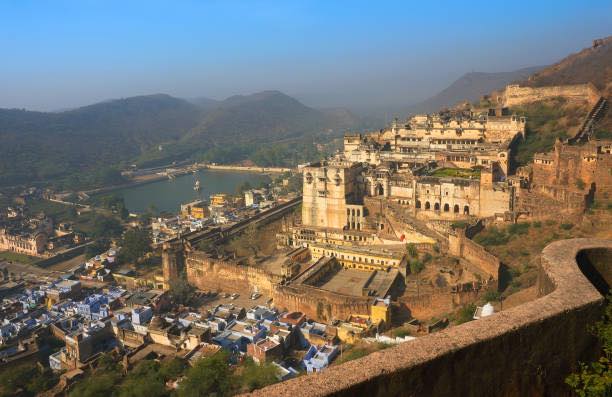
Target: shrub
[
  {"x": 465, "y": 314},
  {"x": 566, "y": 226},
  {"x": 519, "y": 228}
]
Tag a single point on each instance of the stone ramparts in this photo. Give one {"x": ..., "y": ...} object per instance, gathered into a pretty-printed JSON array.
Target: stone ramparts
[
  {"x": 515, "y": 95},
  {"x": 527, "y": 350}
]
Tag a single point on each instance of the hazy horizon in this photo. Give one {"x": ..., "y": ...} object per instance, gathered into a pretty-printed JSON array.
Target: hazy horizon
[{"x": 344, "y": 54}]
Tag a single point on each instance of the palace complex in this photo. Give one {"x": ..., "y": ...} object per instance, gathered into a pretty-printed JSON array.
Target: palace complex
[{"x": 430, "y": 182}]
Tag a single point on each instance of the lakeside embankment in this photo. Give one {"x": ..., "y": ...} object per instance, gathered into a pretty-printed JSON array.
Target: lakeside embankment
[
  {"x": 156, "y": 177},
  {"x": 279, "y": 170}
]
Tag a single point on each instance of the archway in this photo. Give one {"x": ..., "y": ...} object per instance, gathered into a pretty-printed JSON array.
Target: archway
[
  {"x": 446, "y": 207},
  {"x": 456, "y": 209},
  {"x": 418, "y": 204},
  {"x": 427, "y": 205},
  {"x": 437, "y": 207},
  {"x": 379, "y": 190},
  {"x": 466, "y": 210}
]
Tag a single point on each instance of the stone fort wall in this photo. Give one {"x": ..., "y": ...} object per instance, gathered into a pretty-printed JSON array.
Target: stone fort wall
[
  {"x": 207, "y": 273},
  {"x": 516, "y": 95},
  {"x": 527, "y": 350},
  {"x": 461, "y": 246},
  {"x": 320, "y": 304}
]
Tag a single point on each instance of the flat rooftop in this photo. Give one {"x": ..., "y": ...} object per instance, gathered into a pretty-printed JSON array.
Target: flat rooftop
[{"x": 347, "y": 282}]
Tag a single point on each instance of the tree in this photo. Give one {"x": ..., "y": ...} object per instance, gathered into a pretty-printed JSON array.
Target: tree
[
  {"x": 248, "y": 240},
  {"x": 257, "y": 376},
  {"x": 25, "y": 380},
  {"x": 465, "y": 314},
  {"x": 416, "y": 267},
  {"x": 106, "y": 226},
  {"x": 135, "y": 244},
  {"x": 411, "y": 250},
  {"x": 180, "y": 290},
  {"x": 210, "y": 375},
  {"x": 144, "y": 380},
  {"x": 96, "y": 247},
  {"x": 595, "y": 379}
]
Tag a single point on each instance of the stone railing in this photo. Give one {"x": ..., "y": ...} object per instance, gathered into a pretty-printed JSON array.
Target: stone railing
[{"x": 527, "y": 350}]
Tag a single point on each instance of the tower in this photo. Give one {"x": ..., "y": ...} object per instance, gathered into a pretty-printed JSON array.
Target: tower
[{"x": 173, "y": 262}]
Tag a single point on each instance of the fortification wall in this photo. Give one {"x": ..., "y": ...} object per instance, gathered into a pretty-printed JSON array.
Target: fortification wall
[
  {"x": 527, "y": 350},
  {"x": 440, "y": 302},
  {"x": 460, "y": 245},
  {"x": 319, "y": 304},
  {"x": 516, "y": 95},
  {"x": 206, "y": 273}
]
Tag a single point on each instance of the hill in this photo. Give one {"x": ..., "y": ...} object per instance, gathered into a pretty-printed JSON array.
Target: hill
[
  {"x": 470, "y": 87},
  {"x": 557, "y": 117},
  {"x": 267, "y": 115},
  {"x": 83, "y": 143},
  {"x": 593, "y": 64}
]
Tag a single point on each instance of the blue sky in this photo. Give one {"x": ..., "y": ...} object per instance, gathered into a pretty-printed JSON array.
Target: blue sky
[{"x": 58, "y": 54}]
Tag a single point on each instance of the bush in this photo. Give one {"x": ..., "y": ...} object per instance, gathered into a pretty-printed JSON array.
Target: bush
[
  {"x": 465, "y": 314},
  {"x": 595, "y": 379},
  {"x": 566, "y": 226},
  {"x": 257, "y": 376},
  {"x": 209, "y": 376},
  {"x": 519, "y": 228},
  {"x": 537, "y": 224},
  {"x": 492, "y": 236}
]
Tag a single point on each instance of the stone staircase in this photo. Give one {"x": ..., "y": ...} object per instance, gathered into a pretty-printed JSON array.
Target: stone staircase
[
  {"x": 401, "y": 214},
  {"x": 586, "y": 129}
]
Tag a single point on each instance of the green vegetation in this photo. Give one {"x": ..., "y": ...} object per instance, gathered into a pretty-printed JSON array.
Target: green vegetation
[
  {"x": 86, "y": 147},
  {"x": 17, "y": 257},
  {"x": 135, "y": 243},
  {"x": 465, "y": 314},
  {"x": 180, "y": 290},
  {"x": 545, "y": 123},
  {"x": 106, "y": 226},
  {"x": 26, "y": 380},
  {"x": 209, "y": 376},
  {"x": 457, "y": 172},
  {"x": 256, "y": 376},
  {"x": 595, "y": 379},
  {"x": 97, "y": 247},
  {"x": 411, "y": 250}
]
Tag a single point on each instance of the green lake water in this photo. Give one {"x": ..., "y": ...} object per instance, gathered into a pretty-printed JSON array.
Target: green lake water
[{"x": 168, "y": 195}]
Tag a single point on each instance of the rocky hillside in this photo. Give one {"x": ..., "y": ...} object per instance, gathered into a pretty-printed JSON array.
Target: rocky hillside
[
  {"x": 593, "y": 64},
  {"x": 470, "y": 87}
]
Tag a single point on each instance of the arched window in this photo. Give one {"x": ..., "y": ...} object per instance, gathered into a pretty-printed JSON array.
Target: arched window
[
  {"x": 466, "y": 210},
  {"x": 446, "y": 207},
  {"x": 456, "y": 209},
  {"x": 418, "y": 204},
  {"x": 427, "y": 205},
  {"x": 437, "y": 206}
]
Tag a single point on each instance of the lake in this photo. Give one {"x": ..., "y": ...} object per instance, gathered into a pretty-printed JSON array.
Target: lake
[{"x": 168, "y": 195}]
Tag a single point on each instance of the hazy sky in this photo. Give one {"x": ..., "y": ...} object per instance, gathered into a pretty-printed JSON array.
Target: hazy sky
[{"x": 59, "y": 54}]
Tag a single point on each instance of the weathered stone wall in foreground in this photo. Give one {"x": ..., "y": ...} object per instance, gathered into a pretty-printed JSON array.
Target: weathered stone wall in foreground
[{"x": 527, "y": 350}]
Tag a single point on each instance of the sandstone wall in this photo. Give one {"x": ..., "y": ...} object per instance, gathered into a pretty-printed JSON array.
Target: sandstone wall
[
  {"x": 527, "y": 350},
  {"x": 443, "y": 301},
  {"x": 319, "y": 304},
  {"x": 515, "y": 95},
  {"x": 207, "y": 273},
  {"x": 459, "y": 245}
]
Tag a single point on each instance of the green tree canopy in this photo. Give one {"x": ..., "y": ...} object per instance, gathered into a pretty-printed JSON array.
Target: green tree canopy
[
  {"x": 209, "y": 376},
  {"x": 135, "y": 243}
]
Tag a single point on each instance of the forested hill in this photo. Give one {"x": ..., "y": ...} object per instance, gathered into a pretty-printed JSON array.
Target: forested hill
[
  {"x": 268, "y": 115},
  {"x": 83, "y": 142}
]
